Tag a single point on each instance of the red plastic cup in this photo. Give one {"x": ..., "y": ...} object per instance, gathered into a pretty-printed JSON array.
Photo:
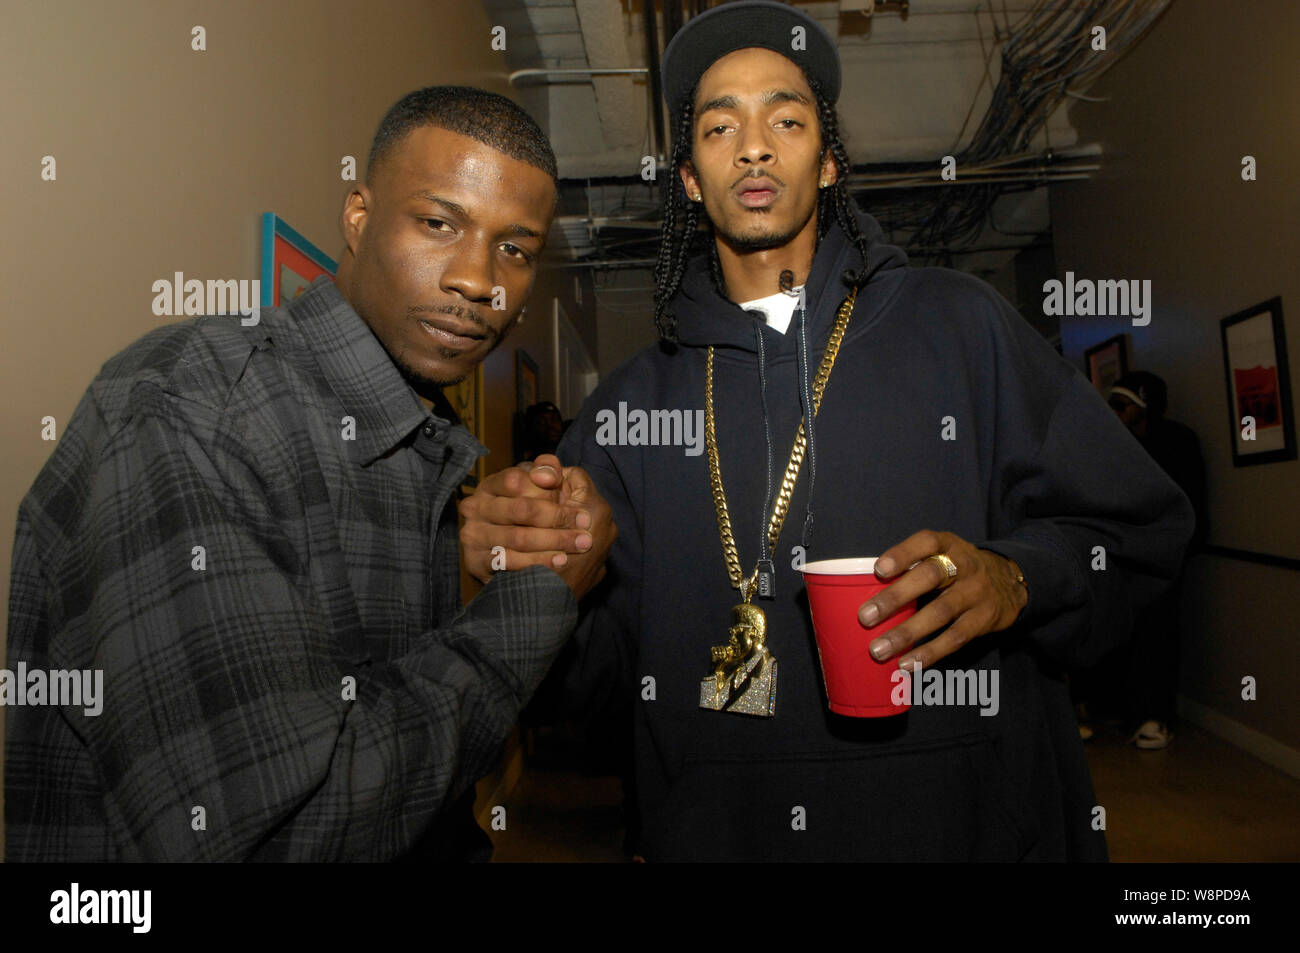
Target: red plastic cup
[{"x": 856, "y": 684}]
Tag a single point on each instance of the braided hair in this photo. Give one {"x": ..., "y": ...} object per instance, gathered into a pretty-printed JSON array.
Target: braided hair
[{"x": 681, "y": 217}]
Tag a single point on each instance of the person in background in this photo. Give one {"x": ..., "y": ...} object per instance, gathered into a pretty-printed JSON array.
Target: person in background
[
  {"x": 1149, "y": 673},
  {"x": 543, "y": 428}
]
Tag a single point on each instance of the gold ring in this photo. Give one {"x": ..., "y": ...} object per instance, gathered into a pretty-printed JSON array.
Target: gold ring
[{"x": 948, "y": 566}]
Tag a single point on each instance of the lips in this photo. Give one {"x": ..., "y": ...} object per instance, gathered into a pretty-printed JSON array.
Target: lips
[
  {"x": 757, "y": 193},
  {"x": 451, "y": 333}
]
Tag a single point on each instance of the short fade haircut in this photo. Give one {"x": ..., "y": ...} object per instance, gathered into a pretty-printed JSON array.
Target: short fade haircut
[{"x": 488, "y": 117}]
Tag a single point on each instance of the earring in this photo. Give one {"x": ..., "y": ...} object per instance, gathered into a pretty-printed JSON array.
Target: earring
[{"x": 696, "y": 197}]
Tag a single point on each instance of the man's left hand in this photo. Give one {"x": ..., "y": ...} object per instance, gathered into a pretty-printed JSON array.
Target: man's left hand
[{"x": 986, "y": 596}]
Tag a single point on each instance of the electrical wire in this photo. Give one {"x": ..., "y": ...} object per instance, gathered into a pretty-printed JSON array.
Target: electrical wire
[{"x": 1045, "y": 53}]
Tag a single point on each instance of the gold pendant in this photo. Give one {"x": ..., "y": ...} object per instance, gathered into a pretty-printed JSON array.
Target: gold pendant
[{"x": 744, "y": 671}]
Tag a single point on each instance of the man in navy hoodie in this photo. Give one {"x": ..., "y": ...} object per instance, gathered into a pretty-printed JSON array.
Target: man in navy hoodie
[{"x": 950, "y": 438}]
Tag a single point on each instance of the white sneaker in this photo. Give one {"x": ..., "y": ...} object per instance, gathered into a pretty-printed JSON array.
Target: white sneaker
[{"x": 1152, "y": 736}]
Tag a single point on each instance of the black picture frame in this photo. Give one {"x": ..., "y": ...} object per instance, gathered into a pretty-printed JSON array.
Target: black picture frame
[{"x": 1257, "y": 378}]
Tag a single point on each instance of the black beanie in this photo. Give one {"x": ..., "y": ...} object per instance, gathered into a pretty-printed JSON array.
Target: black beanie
[{"x": 705, "y": 39}]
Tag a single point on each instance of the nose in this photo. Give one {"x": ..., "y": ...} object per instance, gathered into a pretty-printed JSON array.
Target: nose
[
  {"x": 753, "y": 146},
  {"x": 469, "y": 269}
]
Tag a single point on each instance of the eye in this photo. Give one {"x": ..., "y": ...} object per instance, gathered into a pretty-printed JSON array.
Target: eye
[
  {"x": 789, "y": 123},
  {"x": 436, "y": 224},
  {"x": 715, "y": 130},
  {"x": 514, "y": 251}
]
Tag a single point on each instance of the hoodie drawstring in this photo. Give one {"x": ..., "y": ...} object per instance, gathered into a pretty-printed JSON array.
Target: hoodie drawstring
[
  {"x": 809, "y": 416},
  {"x": 767, "y": 437}
]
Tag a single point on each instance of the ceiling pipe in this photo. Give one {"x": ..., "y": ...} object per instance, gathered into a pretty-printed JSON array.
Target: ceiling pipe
[
  {"x": 577, "y": 71},
  {"x": 976, "y": 178}
]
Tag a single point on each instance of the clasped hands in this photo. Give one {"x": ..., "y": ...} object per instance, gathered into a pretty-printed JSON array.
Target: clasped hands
[
  {"x": 547, "y": 514},
  {"x": 538, "y": 514}
]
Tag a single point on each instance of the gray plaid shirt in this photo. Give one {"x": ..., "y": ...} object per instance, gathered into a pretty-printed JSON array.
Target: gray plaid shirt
[{"x": 237, "y": 525}]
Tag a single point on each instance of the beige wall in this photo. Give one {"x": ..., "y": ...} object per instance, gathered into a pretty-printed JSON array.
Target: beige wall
[
  {"x": 166, "y": 159},
  {"x": 626, "y": 312},
  {"x": 1207, "y": 86}
]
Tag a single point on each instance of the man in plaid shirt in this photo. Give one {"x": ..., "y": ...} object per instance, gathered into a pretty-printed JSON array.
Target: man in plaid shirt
[{"x": 252, "y": 533}]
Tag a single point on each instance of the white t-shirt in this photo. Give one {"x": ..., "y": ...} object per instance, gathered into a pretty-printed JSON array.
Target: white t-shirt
[{"x": 778, "y": 309}]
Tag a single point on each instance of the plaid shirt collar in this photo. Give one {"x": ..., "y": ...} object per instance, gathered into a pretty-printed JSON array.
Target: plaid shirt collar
[{"x": 363, "y": 376}]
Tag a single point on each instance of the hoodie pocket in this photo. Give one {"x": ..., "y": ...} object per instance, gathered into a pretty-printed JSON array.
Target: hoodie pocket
[{"x": 950, "y": 800}]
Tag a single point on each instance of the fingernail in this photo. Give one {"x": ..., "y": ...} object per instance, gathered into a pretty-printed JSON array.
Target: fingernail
[
  {"x": 908, "y": 665},
  {"x": 560, "y": 560},
  {"x": 880, "y": 649},
  {"x": 884, "y": 566},
  {"x": 583, "y": 520},
  {"x": 583, "y": 541},
  {"x": 870, "y": 612},
  {"x": 544, "y": 467}
]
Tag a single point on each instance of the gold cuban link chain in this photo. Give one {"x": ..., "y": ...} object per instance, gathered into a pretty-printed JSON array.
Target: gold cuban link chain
[{"x": 732, "y": 555}]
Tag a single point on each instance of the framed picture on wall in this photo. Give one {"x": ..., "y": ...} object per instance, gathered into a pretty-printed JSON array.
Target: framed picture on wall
[
  {"x": 1107, "y": 362},
  {"x": 1259, "y": 385},
  {"x": 466, "y": 398},
  {"x": 289, "y": 262}
]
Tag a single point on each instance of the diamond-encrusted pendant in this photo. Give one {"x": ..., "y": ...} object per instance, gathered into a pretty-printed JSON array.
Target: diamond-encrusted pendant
[{"x": 744, "y": 670}]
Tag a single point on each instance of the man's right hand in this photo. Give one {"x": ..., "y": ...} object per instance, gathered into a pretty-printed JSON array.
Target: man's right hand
[{"x": 539, "y": 514}]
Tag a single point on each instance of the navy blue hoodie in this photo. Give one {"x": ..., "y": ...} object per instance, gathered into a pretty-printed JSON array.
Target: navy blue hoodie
[{"x": 1038, "y": 469}]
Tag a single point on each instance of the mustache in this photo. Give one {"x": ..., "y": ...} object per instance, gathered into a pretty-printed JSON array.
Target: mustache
[
  {"x": 757, "y": 174},
  {"x": 464, "y": 314}
]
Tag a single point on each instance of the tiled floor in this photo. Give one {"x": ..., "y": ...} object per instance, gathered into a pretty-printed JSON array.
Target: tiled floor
[{"x": 1200, "y": 799}]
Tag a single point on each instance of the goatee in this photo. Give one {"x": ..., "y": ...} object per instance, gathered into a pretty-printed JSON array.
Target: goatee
[{"x": 758, "y": 242}]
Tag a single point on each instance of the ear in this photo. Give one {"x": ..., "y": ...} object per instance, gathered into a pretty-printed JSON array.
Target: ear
[
  {"x": 830, "y": 174},
  {"x": 356, "y": 210},
  {"x": 691, "y": 183}
]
